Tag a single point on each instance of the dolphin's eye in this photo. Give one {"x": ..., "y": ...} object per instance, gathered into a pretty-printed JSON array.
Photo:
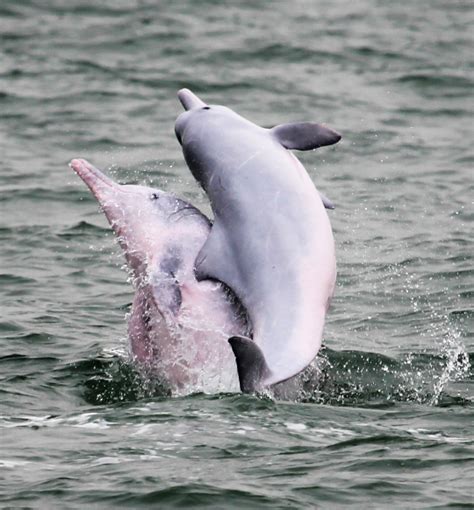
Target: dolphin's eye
[
  {"x": 154, "y": 196},
  {"x": 206, "y": 107}
]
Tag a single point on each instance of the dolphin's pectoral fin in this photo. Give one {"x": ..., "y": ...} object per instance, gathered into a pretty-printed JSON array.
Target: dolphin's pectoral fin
[
  {"x": 251, "y": 365},
  {"x": 202, "y": 267},
  {"x": 213, "y": 258},
  {"x": 327, "y": 203},
  {"x": 304, "y": 136}
]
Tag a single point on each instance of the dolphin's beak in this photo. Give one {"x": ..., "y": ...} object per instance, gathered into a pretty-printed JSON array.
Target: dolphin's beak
[
  {"x": 189, "y": 100},
  {"x": 100, "y": 185},
  {"x": 114, "y": 202}
]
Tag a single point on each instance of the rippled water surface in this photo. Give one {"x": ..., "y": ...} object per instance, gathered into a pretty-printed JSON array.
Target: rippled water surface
[{"x": 390, "y": 424}]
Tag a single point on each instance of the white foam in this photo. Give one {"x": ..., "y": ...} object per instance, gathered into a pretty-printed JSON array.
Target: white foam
[
  {"x": 297, "y": 427},
  {"x": 13, "y": 463}
]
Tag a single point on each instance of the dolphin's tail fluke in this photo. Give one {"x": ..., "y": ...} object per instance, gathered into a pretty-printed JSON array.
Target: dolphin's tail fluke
[{"x": 251, "y": 365}]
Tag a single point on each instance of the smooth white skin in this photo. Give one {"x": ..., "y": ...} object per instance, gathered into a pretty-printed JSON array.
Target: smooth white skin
[
  {"x": 271, "y": 228},
  {"x": 186, "y": 346}
]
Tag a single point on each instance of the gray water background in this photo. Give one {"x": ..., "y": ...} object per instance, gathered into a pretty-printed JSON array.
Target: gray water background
[{"x": 392, "y": 423}]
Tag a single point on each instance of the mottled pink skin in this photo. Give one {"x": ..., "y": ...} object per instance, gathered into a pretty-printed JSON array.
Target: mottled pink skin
[{"x": 183, "y": 340}]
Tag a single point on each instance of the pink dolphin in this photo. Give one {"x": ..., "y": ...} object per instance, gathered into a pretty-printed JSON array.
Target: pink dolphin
[
  {"x": 271, "y": 241},
  {"x": 178, "y": 327}
]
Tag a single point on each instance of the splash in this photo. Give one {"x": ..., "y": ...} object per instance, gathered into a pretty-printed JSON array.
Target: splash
[{"x": 456, "y": 365}]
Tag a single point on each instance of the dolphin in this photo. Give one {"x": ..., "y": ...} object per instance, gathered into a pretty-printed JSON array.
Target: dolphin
[
  {"x": 178, "y": 327},
  {"x": 271, "y": 241}
]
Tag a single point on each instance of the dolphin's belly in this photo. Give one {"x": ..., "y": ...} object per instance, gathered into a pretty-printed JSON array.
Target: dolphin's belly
[
  {"x": 281, "y": 273},
  {"x": 277, "y": 232},
  {"x": 283, "y": 246}
]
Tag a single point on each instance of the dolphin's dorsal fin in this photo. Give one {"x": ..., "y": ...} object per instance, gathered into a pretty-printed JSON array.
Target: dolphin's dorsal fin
[
  {"x": 327, "y": 203},
  {"x": 304, "y": 136},
  {"x": 251, "y": 365}
]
